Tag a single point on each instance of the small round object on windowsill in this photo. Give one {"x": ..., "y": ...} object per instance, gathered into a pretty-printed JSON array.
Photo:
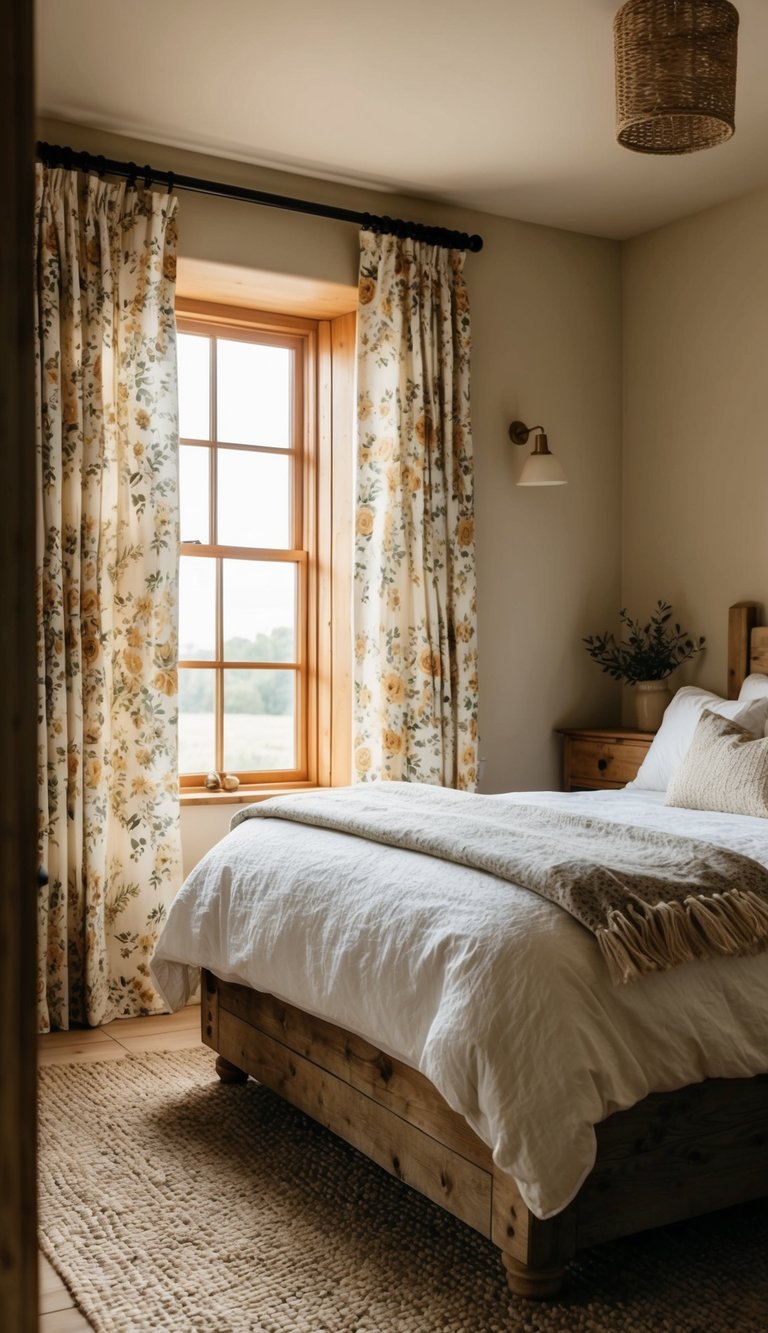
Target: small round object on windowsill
[
  {"x": 230, "y": 782},
  {"x": 213, "y": 781}
]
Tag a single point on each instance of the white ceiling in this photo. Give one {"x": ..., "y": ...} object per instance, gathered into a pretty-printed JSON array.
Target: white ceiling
[{"x": 500, "y": 105}]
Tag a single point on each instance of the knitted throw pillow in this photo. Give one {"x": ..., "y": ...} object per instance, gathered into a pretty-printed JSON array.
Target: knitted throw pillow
[{"x": 725, "y": 768}]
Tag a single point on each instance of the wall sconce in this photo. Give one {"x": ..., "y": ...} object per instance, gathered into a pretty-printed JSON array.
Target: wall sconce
[{"x": 541, "y": 468}]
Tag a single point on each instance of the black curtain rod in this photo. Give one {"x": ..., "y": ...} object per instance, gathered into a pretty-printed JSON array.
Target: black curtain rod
[{"x": 53, "y": 155}]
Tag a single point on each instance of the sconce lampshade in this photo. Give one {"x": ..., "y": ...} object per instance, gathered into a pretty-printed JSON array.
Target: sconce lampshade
[
  {"x": 675, "y": 74},
  {"x": 541, "y": 468}
]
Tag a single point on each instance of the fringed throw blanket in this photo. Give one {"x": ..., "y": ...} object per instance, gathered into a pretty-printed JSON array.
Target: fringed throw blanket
[{"x": 650, "y": 899}]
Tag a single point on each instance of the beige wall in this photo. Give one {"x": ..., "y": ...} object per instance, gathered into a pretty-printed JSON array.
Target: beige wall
[
  {"x": 696, "y": 421},
  {"x": 546, "y": 319}
]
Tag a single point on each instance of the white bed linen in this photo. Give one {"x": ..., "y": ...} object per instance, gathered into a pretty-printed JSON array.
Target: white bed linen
[{"x": 499, "y": 997}]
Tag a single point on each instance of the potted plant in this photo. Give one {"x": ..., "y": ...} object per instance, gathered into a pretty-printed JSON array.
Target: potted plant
[{"x": 645, "y": 658}]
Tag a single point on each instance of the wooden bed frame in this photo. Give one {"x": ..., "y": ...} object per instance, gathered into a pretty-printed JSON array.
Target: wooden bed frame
[{"x": 671, "y": 1156}]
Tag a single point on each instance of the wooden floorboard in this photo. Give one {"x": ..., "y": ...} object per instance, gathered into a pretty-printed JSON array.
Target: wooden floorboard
[
  {"x": 114, "y": 1041},
  {"x": 141, "y": 1027},
  {"x": 81, "y": 1054},
  {"x": 51, "y": 1301},
  {"x": 64, "y": 1321},
  {"x": 47, "y": 1277},
  {"x": 161, "y": 1041},
  {"x": 56, "y": 1041}
]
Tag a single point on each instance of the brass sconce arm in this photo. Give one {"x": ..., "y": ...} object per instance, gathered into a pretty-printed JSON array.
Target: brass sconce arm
[{"x": 519, "y": 432}]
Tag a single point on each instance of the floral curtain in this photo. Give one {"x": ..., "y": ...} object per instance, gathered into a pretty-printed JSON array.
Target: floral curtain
[
  {"x": 415, "y": 612},
  {"x": 107, "y": 545}
]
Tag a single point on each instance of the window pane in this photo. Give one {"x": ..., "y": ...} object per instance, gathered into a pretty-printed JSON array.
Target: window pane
[
  {"x": 197, "y": 609},
  {"x": 259, "y": 611},
  {"x": 253, "y": 394},
  {"x": 193, "y": 493},
  {"x": 194, "y": 355},
  {"x": 259, "y": 720},
  {"x": 197, "y": 727},
  {"x": 254, "y": 499}
]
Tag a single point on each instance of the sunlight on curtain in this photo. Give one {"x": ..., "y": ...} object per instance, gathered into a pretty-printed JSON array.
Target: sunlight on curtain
[
  {"x": 108, "y": 550},
  {"x": 415, "y": 612}
]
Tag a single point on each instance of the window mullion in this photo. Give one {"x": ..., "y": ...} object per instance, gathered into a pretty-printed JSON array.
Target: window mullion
[
  {"x": 214, "y": 526},
  {"x": 213, "y": 473},
  {"x": 219, "y": 668}
]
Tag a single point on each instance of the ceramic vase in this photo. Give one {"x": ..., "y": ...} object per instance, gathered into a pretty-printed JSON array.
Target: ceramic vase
[{"x": 651, "y": 698}]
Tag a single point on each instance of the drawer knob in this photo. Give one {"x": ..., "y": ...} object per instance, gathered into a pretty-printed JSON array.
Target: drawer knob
[{"x": 602, "y": 764}]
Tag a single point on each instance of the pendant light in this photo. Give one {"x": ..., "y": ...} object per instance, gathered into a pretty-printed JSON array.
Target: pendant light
[{"x": 675, "y": 74}]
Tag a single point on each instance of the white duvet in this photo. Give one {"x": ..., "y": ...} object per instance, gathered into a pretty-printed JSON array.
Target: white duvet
[{"x": 499, "y": 997}]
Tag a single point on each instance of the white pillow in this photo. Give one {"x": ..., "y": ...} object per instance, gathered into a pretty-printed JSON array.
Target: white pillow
[
  {"x": 678, "y": 725},
  {"x": 755, "y": 687}
]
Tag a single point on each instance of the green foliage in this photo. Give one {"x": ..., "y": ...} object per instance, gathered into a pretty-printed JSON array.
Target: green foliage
[
  {"x": 245, "y": 691},
  {"x": 649, "y": 652}
]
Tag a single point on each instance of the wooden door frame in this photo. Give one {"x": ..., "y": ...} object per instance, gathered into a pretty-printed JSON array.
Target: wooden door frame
[{"x": 18, "y": 908}]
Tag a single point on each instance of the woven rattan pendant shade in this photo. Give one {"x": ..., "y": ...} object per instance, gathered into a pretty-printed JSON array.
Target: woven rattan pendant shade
[{"x": 675, "y": 74}]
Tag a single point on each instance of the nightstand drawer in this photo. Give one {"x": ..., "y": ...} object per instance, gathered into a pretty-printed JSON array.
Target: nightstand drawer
[
  {"x": 598, "y": 757},
  {"x": 605, "y": 761}
]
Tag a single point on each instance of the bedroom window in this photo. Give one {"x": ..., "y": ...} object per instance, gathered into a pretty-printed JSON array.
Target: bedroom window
[{"x": 251, "y": 652}]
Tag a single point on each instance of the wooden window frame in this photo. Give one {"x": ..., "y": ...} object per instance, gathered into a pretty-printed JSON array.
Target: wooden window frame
[{"x": 328, "y": 469}]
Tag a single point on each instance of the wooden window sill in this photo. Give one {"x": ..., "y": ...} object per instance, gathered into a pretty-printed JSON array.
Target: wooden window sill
[{"x": 245, "y": 795}]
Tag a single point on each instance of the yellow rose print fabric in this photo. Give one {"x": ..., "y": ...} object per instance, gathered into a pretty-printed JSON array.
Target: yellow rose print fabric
[
  {"x": 415, "y": 583},
  {"x": 107, "y": 553}
]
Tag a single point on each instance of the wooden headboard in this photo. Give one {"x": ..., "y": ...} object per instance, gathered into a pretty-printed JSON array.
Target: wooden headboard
[{"x": 747, "y": 645}]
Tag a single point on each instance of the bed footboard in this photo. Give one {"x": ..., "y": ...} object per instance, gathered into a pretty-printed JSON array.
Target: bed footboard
[
  {"x": 391, "y": 1113},
  {"x": 672, "y": 1156}
]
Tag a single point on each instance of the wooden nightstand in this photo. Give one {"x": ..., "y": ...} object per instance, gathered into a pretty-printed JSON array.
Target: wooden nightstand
[{"x": 596, "y": 758}]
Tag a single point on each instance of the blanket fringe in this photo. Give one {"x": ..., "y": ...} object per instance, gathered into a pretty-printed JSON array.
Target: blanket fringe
[{"x": 650, "y": 939}]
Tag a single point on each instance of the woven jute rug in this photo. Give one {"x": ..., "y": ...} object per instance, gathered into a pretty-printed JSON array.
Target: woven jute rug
[{"x": 171, "y": 1202}]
